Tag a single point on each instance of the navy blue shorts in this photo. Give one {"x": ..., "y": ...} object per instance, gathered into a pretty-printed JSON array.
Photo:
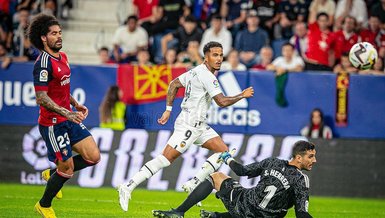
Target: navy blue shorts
[{"x": 60, "y": 138}]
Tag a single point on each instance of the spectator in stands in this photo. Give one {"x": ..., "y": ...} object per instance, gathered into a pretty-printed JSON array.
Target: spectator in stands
[
  {"x": 143, "y": 58},
  {"x": 267, "y": 11},
  {"x": 65, "y": 8},
  {"x": 235, "y": 13},
  {"x": 49, "y": 7},
  {"x": 250, "y": 41},
  {"x": 204, "y": 10},
  {"x": 378, "y": 69},
  {"x": 5, "y": 59},
  {"x": 320, "y": 44},
  {"x": 168, "y": 16},
  {"x": 378, "y": 10},
  {"x": 291, "y": 12},
  {"x": 300, "y": 39},
  {"x": 30, "y": 5},
  {"x": 218, "y": 33},
  {"x": 288, "y": 62},
  {"x": 345, "y": 38},
  {"x": 168, "y": 13},
  {"x": 344, "y": 65},
  {"x": 5, "y": 26},
  {"x": 193, "y": 52},
  {"x": 184, "y": 34},
  {"x": 128, "y": 39},
  {"x": 112, "y": 110},
  {"x": 104, "y": 56},
  {"x": 372, "y": 33},
  {"x": 147, "y": 13},
  {"x": 170, "y": 57},
  {"x": 266, "y": 55},
  {"x": 317, "y": 128},
  {"x": 325, "y": 6},
  {"x": 353, "y": 8},
  {"x": 232, "y": 63},
  {"x": 22, "y": 47},
  {"x": 183, "y": 60}
]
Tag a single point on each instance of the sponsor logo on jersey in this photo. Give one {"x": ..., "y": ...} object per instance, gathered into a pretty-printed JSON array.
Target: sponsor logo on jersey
[
  {"x": 237, "y": 114},
  {"x": 65, "y": 80},
  {"x": 43, "y": 76},
  {"x": 65, "y": 152}
]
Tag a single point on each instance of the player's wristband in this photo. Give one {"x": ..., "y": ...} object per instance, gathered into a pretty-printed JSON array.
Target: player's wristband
[
  {"x": 228, "y": 160},
  {"x": 168, "y": 108}
]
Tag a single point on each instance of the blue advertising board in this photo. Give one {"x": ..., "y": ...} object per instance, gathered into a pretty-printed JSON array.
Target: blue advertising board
[
  {"x": 17, "y": 95},
  {"x": 257, "y": 115}
]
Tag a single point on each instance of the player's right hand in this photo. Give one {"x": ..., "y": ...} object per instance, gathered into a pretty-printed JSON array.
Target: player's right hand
[
  {"x": 247, "y": 93},
  {"x": 165, "y": 116},
  {"x": 76, "y": 116}
]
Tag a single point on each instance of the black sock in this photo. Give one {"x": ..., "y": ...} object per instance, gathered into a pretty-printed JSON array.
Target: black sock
[
  {"x": 200, "y": 192},
  {"x": 80, "y": 163},
  {"x": 54, "y": 184},
  {"x": 222, "y": 215}
]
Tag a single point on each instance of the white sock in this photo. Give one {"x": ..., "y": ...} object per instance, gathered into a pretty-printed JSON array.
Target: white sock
[
  {"x": 208, "y": 167},
  {"x": 149, "y": 169}
]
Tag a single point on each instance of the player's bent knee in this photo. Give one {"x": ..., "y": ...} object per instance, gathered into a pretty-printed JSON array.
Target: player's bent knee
[
  {"x": 93, "y": 160},
  {"x": 67, "y": 174}
]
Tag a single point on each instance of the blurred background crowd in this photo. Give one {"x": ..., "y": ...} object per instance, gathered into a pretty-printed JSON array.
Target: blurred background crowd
[{"x": 278, "y": 35}]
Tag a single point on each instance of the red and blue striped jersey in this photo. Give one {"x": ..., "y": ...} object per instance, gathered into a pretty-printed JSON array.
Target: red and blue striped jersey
[{"x": 52, "y": 75}]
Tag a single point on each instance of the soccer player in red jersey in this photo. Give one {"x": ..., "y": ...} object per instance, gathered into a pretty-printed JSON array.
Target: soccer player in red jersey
[{"x": 60, "y": 127}]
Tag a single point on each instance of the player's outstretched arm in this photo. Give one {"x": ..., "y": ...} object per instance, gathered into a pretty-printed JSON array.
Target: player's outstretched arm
[
  {"x": 44, "y": 100},
  {"x": 224, "y": 101},
  {"x": 171, "y": 93},
  {"x": 250, "y": 170}
]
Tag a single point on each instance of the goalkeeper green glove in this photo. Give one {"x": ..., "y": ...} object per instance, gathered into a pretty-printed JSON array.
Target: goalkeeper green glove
[{"x": 226, "y": 156}]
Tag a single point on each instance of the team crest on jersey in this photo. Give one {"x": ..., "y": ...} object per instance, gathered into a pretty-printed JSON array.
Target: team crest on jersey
[
  {"x": 65, "y": 152},
  {"x": 43, "y": 76},
  {"x": 216, "y": 83},
  {"x": 182, "y": 144}
]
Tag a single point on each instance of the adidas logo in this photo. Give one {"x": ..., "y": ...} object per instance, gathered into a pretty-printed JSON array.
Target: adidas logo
[{"x": 236, "y": 114}]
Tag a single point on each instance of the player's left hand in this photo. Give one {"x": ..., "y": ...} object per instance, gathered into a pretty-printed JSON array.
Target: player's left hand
[
  {"x": 226, "y": 156},
  {"x": 247, "y": 93},
  {"x": 165, "y": 116},
  {"x": 83, "y": 109}
]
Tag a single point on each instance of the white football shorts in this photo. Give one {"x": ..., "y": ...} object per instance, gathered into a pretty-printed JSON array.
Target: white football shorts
[{"x": 185, "y": 135}]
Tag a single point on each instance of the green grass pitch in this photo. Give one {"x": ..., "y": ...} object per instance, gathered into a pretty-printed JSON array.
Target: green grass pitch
[{"x": 18, "y": 201}]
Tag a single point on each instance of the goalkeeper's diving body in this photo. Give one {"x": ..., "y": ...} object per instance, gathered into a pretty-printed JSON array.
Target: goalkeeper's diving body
[
  {"x": 190, "y": 126},
  {"x": 281, "y": 186}
]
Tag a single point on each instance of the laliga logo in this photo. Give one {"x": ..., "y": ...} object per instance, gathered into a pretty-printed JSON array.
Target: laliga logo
[
  {"x": 35, "y": 150},
  {"x": 236, "y": 114}
]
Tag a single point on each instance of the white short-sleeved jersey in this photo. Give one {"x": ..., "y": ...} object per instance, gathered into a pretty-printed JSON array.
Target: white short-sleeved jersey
[{"x": 201, "y": 86}]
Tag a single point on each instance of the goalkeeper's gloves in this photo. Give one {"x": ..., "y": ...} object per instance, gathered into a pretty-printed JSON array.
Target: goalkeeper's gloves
[{"x": 226, "y": 156}]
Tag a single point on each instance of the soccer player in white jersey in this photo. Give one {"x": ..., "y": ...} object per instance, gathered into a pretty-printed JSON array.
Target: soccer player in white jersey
[{"x": 190, "y": 126}]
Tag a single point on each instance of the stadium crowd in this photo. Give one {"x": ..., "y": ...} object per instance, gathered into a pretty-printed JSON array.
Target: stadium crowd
[
  {"x": 15, "y": 16},
  {"x": 252, "y": 31}
]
